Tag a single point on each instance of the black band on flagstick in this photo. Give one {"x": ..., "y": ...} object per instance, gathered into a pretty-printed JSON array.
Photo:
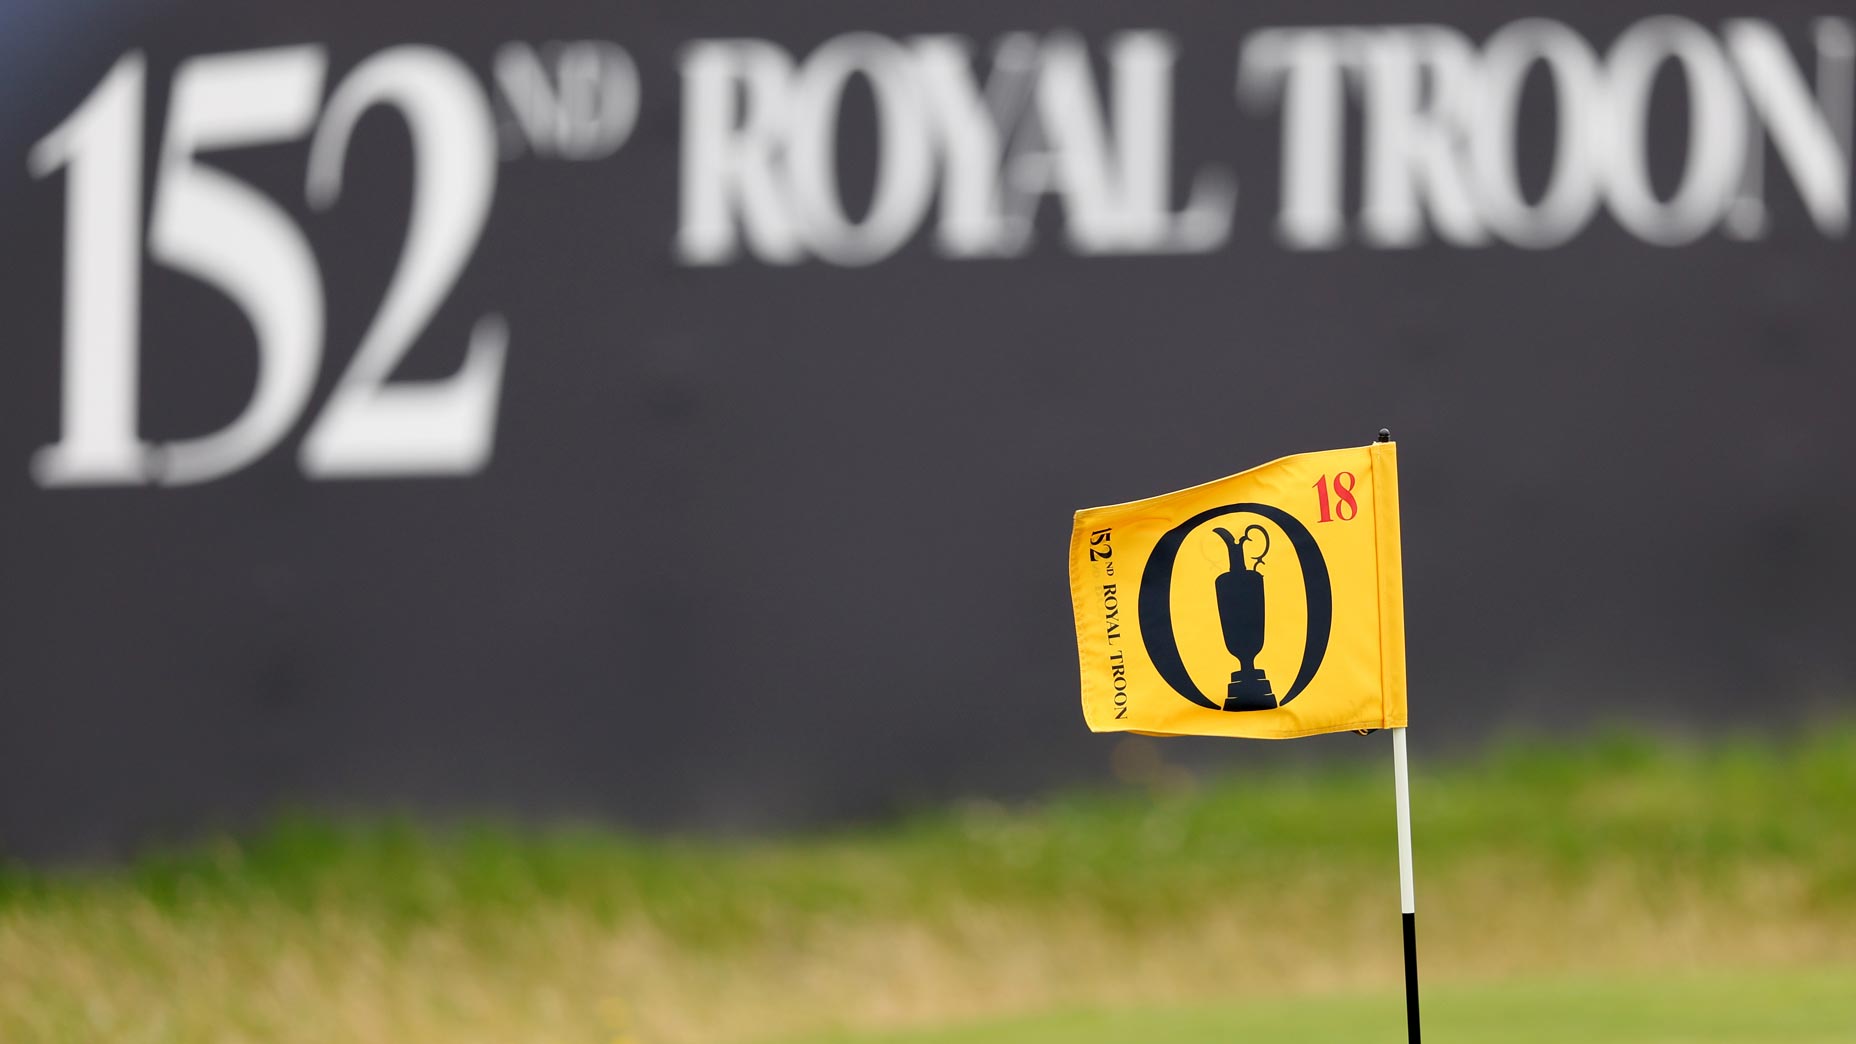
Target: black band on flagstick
[{"x": 1411, "y": 975}]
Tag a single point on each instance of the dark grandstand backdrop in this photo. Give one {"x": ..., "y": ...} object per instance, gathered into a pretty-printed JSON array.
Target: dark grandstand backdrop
[{"x": 714, "y": 461}]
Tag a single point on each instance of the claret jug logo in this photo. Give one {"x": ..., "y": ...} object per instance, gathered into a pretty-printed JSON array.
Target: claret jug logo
[{"x": 1265, "y": 575}]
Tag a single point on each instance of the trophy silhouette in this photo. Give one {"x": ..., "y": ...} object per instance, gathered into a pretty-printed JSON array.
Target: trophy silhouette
[{"x": 1240, "y": 613}]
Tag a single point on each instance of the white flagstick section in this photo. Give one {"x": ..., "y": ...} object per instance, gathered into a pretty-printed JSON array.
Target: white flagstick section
[{"x": 1401, "y": 771}]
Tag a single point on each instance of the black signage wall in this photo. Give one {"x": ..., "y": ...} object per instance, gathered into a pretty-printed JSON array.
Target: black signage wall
[{"x": 675, "y": 416}]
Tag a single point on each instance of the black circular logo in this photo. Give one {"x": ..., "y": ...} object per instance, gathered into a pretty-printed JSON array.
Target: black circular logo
[{"x": 1240, "y": 603}]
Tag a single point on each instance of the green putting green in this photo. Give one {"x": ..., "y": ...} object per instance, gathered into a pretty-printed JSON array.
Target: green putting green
[{"x": 1817, "y": 1006}]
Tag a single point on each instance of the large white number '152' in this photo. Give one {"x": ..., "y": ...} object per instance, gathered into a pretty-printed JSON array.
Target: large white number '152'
[{"x": 212, "y": 226}]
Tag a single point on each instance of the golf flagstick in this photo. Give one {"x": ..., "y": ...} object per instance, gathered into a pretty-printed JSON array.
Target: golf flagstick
[
  {"x": 1145, "y": 572},
  {"x": 1401, "y": 774}
]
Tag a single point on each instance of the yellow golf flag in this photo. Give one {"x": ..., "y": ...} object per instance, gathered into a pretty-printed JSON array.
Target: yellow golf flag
[{"x": 1267, "y": 605}]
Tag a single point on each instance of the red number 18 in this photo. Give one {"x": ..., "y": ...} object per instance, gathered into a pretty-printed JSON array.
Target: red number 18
[{"x": 1343, "y": 491}]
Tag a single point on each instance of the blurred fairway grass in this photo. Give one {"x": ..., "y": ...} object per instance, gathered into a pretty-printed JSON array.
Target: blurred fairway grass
[{"x": 1639, "y": 868}]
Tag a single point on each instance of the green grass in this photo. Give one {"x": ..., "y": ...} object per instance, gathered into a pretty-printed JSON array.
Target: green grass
[
  {"x": 1697, "y": 812},
  {"x": 1813, "y": 1007},
  {"x": 1718, "y": 876}
]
